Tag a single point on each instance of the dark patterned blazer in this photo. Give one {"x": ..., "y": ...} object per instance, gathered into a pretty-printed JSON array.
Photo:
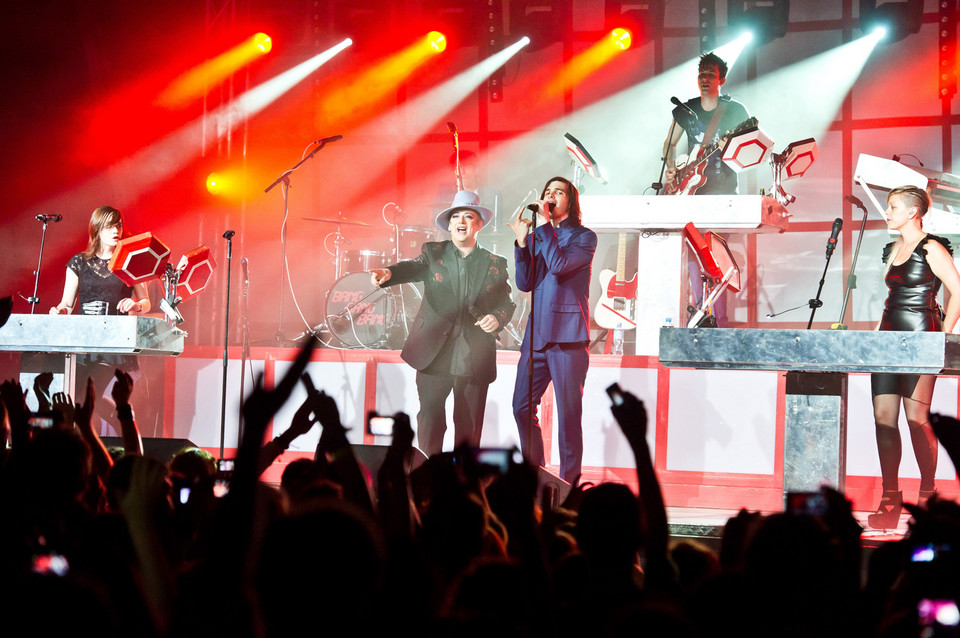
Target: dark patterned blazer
[{"x": 488, "y": 293}]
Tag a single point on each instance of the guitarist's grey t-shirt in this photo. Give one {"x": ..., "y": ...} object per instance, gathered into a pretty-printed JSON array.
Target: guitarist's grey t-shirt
[{"x": 720, "y": 180}]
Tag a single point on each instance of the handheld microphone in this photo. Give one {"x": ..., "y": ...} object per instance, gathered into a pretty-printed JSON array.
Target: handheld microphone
[
  {"x": 856, "y": 202},
  {"x": 327, "y": 140},
  {"x": 689, "y": 111},
  {"x": 49, "y": 218},
  {"x": 832, "y": 242},
  {"x": 536, "y": 209}
]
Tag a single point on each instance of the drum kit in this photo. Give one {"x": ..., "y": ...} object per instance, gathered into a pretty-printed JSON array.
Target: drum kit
[{"x": 358, "y": 313}]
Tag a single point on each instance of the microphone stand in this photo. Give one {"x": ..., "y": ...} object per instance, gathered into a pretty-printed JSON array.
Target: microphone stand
[
  {"x": 852, "y": 278},
  {"x": 285, "y": 179},
  {"x": 34, "y": 300},
  {"x": 228, "y": 235},
  {"x": 245, "y": 342},
  {"x": 815, "y": 302},
  {"x": 663, "y": 161},
  {"x": 530, "y": 329}
]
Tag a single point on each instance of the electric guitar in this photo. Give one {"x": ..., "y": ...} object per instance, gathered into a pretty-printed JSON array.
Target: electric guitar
[
  {"x": 690, "y": 176},
  {"x": 617, "y": 307}
]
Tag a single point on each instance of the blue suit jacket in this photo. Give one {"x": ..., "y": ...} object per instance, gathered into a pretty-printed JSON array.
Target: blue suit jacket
[{"x": 564, "y": 256}]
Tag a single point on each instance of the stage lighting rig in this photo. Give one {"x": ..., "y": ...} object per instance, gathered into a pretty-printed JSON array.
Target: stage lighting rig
[
  {"x": 896, "y": 19},
  {"x": 767, "y": 20},
  {"x": 644, "y": 20},
  {"x": 543, "y": 21}
]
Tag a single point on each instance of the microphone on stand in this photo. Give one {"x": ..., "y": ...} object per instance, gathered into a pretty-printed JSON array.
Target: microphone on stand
[
  {"x": 452, "y": 127},
  {"x": 689, "y": 111},
  {"x": 229, "y": 234},
  {"x": 49, "y": 218},
  {"x": 832, "y": 242},
  {"x": 535, "y": 208},
  {"x": 856, "y": 202},
  {"x": 328, "y": 140}
]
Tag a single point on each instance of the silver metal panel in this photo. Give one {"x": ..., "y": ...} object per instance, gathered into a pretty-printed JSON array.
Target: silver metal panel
[
  {"x": 814, "y": 445},
  {"x": 810, "y": 350},
  {"x": 94, "y": 334}
]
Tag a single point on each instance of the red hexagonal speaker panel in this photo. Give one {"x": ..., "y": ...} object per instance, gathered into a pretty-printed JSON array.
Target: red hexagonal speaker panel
[
  {"x": 139, "y": 259},
  {"x": 747, "y": 150},
  {"x": 798, "y": 157},
  {"x": 196, "y": 272}
]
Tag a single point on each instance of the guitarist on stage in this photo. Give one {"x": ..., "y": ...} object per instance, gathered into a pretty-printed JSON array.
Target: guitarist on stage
[{"x": 710, "y": 115}]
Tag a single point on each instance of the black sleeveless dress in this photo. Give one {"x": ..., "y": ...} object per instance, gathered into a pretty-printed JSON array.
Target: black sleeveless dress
[
  {"x": 98, "y": 293},
  {"x": 911, "y": 306}
]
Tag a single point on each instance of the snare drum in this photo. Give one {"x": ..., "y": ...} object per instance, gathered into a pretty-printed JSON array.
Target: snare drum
[
  {"x": 362, "y": 315},
  {"x": 360, "y": 261},
  {"x": 412, "y": 238}
]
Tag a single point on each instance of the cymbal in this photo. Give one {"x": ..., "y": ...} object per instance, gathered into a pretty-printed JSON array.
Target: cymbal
[{"x": 335, "y": 220}]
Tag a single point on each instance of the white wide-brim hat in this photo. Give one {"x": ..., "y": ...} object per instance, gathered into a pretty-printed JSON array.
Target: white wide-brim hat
[{"x": 463, "y": 200}]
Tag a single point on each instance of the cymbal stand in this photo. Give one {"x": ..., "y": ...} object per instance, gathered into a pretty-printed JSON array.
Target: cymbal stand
[
  {"x": 338, "y": 240},
  {"x": 396, "y": 257}
]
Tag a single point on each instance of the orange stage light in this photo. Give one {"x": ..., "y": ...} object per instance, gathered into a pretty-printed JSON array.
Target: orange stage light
[
  {"x": 621, "y": 38},
  {"x": 214, "y": 183},
  {"x": 361, "y": 97},
  {"x": 437, "y": 41},
  {"x": 195, "y": 82},
  {"x": 587, "y": 62},
  {"x": 262, "y": 42}
]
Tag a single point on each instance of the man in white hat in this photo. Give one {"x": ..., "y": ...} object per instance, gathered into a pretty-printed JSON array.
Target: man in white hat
[{"x": 452, "y": 342}]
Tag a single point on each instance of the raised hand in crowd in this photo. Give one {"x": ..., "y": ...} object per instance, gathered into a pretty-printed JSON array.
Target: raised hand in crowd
[
  {"x": 81, "y": 415},
  {"x": 631, "y": 415},
  {"x": 303, "y": 421},
  {"x": 121, "y": 391},
  {"x": 13, "y": 398},
  {"x": 41, "y": 389},
  {"x": 335, "y": 449},
  {"x": 396, "y": 508}
]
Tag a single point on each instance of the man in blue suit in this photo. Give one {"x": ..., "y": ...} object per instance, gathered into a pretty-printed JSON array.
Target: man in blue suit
[{"x": 555, "y": 262}]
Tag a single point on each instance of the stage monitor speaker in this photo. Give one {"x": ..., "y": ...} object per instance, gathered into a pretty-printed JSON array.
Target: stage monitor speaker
[
  {"x": 160, "y": 449},
  {"x": 554, "y": 485},
  {"x": 372, "y": 457}
]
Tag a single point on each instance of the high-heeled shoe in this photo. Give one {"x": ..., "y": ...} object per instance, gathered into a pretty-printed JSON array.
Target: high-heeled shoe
[
  {"x": 925, "y": 495},
  {"x": 888, "y": 512}
]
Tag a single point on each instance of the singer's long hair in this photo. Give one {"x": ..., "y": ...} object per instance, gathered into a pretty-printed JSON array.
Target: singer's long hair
[
  {"x": 573, "y": 196},
  {"x": 103, "y": 217}
]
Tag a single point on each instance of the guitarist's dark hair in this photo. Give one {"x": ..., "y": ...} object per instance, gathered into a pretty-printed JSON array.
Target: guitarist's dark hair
[
  {"x": 573, "y": 196},
  {"x": 712, "y": 59}
]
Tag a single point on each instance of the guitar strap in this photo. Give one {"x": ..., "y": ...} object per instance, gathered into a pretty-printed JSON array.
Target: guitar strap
[{"x": 714, "y": 123}]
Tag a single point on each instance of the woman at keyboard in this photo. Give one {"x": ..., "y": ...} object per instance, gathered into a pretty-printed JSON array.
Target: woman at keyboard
[{"x": 916, "y": 265}]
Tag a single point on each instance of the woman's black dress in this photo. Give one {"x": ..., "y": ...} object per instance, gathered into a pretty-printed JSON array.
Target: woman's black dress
[
  {"x": 98, "y": 293},
  {"x": 911, "y": 306}
]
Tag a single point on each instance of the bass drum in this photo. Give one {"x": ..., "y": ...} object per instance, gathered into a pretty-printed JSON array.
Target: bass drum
[{"x": 362, "y": 315}]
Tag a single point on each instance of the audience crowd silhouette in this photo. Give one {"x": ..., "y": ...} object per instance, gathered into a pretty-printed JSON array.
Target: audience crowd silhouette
[{"x": 121, "y": 544}]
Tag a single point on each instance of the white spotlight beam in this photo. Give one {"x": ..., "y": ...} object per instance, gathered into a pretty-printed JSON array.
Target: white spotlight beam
[
  {"x": 775, "y": 98},
  {"x": 130, "y": 177},
  {"x": 413, "y": 119}
]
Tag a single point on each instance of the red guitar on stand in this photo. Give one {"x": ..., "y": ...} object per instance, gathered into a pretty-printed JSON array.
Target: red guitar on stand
[
  {"x": 690, "y": 176},
  {"x": 617, "y": 307}
]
